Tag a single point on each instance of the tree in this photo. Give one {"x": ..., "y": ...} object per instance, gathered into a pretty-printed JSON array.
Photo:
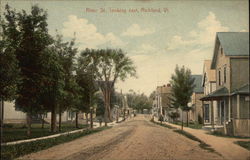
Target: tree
[
  {"x": 32, "y": 39},
  {"x": 139, "y": 101},
  {"x": 108, "y": 65},
  {"x": 9, "y": 70},
  {"x": 85, "y": 79},
  {"x": 182, "y": 88},
  {"x": 66, "y": 53}
]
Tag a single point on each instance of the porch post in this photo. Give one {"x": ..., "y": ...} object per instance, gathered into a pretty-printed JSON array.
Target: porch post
[
  {"x": 203, "y": 115},
  {"x": 212, "y": 114},
  {"x": 229, "y": 109},
  {"x": 238, "y": 106}
]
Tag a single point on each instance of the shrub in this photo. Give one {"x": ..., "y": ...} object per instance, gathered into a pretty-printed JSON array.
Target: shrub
[{"x": 200, "y": 119}]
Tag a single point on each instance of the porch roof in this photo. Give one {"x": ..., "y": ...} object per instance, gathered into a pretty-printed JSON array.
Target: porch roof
[
  {"x": 242, "y": 90},
  {"x": 217, "y": 94}
]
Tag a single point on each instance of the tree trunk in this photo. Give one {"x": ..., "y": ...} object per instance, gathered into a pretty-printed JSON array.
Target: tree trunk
[
  {"x": 124, "y": 114},
  {"x": 87, "y": 118},
  {"x": 28, "y": 124},
  {"x": 117, "y": 116},
  {"x": 106, "y": 108},
  {"x": 187, "y": 118},
  {"x": 77, "y": 120},
  {"x": 91, "y": 118},
  {"x": 43, "y": 115},
  {"x": 108, "y": 102},
  {"x": 2, "y": 112},
  {"x": 182, "y": 120},
  {"x": 60, "y": 120},
  {"x": 53, "y": 119}
]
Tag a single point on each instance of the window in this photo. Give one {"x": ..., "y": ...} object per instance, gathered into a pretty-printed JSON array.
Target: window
[
  {"x": 221, "y": 50},
  {"x": 225, "y": 74},
  {"x": 219, "y": 78}
]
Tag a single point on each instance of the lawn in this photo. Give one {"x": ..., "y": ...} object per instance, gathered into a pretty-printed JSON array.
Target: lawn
[
  {"x": 13, "y": 151},
  {"x": 14, "y": 132},
  {"x": 193, "y": 125}
]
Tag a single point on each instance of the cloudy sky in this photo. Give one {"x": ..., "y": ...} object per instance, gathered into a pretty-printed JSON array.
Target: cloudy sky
[{"x": 182, "y": 33}]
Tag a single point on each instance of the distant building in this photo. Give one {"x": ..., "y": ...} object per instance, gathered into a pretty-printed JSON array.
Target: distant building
[
  {"x": 231, "y": 63},
  {"x": 209, "y": 84},
  {"x": 13, "y": 115},
  {"x": 162, "y": 101},
  {"x": 196, "y": 104}
]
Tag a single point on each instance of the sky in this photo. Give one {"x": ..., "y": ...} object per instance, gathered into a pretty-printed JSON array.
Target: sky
[{"x": 156, "y": 35}]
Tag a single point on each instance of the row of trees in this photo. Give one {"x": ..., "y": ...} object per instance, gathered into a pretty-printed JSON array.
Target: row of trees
[
  {"x": 139, "y": 101},
  {"x": 45, "y": 74}
]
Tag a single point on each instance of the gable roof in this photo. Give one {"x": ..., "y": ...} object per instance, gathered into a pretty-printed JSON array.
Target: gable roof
[
  {"x": 210, "y": 73},
  {"x": 198, "y": 83},
  {"x": 233, "y": 44}
]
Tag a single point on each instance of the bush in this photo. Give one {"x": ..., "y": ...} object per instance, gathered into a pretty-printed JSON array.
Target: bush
[
  {"x": 200, "y": 119},
  {"x": 161, "y": 118},
  {"x": 8, "y": 125}
]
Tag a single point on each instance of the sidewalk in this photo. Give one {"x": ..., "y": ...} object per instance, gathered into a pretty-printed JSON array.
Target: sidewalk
[
  {"x": 95, "y": 125},
  {"x": 224, "y": 146}
]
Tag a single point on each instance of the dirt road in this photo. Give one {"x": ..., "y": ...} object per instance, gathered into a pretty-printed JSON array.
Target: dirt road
[{"x": 135, "y": 139}]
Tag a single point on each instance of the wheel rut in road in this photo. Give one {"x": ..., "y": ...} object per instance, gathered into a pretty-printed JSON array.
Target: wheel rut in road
[{"x": 101, "y": 149}]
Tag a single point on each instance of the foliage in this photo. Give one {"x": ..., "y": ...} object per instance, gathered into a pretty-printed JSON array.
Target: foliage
[
  {"x": 182, "y": 87},
  {"x": 161, "y": 118},
  {"x": 14, "y": 151},
  {"x": 174, "y": 115},
  {"x": 107, "y": 66},
  {"x": 8, "y": 62},
  {"x": 138, "y": 101},
  {"x": 200, "y": 120}
]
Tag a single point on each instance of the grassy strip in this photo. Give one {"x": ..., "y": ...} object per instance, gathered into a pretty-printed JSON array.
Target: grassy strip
[
  {"x": 219, "y": 134},
  {"x": 193, "y": 125},
  {"x": 244, "y": 144},
  {"x": 202, "y": 144},
  {"x": 14, "y": 151},
  {"x": 164, "y": 125},
  {"x": 14, "y": 132},
  {"x": 190, "y": 136}
]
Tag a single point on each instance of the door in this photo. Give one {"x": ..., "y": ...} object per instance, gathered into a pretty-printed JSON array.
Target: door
[{"x": 206, "y": 109}]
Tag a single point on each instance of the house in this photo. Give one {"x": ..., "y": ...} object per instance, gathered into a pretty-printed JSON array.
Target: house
[
  {"x": 162, "y": 103},
  {"x": 231, "y": 64},
  {"x": 209, "y": 85},
  {"x": 13, "y": 115},
  {"x": 196, "y": 113}
]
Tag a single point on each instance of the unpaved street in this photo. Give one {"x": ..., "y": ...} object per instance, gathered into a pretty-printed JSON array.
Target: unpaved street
[{"x": 135, "y": 139}]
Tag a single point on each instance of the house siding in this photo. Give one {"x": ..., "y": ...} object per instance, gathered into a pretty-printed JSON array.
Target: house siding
[
  {"x": 239, "y": 72},
  {"x": 222, "y": 61}
]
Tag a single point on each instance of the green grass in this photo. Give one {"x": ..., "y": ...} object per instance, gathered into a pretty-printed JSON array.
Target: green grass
[
  {"x": 14, "y": 132},
  {"x": 164, "y": 125},
  {"x": 190, "y": 136},
  {"x": 202, "y": 144},
  {"x": 193, "y": 125},
  {"x": 219, "y": 134},
  {"x": 17, "y": 150},
  {"x": 245, "y": 144}
]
